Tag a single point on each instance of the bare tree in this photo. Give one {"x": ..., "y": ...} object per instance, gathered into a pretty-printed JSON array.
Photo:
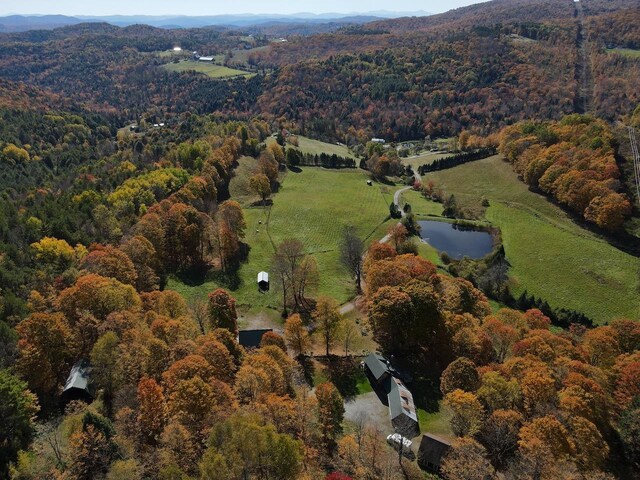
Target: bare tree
[
  {"x": 351, "y": 251},
  {"x": 296, "y": 271},
  {"x": 349, "y": 329},
  {"x": 198, "y": 310}
]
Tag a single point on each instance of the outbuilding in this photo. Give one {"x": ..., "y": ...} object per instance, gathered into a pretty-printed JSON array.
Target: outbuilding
[
  {"x": 263, "y": 281},
  {"x": 431, "y": 452},
  {"x": 79, "y": 385}
]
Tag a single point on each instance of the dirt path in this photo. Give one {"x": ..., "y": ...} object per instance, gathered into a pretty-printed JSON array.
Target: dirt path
[{"x": 396, "y": 200}]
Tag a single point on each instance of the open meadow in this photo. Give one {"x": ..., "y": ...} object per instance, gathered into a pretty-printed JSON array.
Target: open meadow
[
  {"x": 208, "y": 68},
  {"x": 550, "y": 255},
  {"x": 313, "y": 205},
  {"x": 423, "y": 159},
  {"x": 316, "y": 147}
]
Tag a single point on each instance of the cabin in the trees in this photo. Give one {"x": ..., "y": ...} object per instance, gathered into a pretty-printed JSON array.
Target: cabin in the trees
[
  {"x": 431, "y": 452},
  {"x": 251, "y": 338},
  {"x": 386, "y": 382},
  {"x": 263, "y": 281},
  {"x": 79, "y": 385}
]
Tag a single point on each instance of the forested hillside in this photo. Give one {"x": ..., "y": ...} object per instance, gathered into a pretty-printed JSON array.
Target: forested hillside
[{"x": 478, "y": 68}]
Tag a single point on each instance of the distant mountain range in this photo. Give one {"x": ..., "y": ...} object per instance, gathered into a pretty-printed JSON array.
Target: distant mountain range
[{"x": 21, "y": 23}]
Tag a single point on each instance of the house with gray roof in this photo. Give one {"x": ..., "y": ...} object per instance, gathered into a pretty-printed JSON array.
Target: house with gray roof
[{"x": 384, "y": 380}]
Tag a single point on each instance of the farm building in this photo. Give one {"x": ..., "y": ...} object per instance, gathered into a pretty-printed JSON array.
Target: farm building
[
  {"x": 384, "y": 380},
  {"x": 252, "y": 338},
  {"x": 263, "y": 281},
  {"x": 205, "y": 59},
  {"x": 431, "y": 452},
  {"x": 78, "y": 386}
]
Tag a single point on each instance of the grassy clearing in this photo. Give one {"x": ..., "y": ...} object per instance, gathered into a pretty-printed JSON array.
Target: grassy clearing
[
  {"x": 423, "y": 159},
  {"x": 436, "y": 423},
  {"x": 627, "y": 52},
  {"x": 313, "y": 206},
  {"x": 420, "y": 206},
  {"x": 208, "y": 68},
  {"x": 550, "y": 256},
  {"x": 316, "y": 147},
  {"x": 363, "y": 385}
]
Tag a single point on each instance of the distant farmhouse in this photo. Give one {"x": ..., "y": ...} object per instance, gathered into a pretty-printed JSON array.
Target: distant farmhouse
[
  {"x": 384, "y": 379},
  {"x": 78, "y": 386},
  {"x": 196, "y": 56}
]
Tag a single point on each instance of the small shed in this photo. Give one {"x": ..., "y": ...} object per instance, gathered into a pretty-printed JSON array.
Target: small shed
[
  {"x": 79, "y": 385},
  {"x": 252, "y": 338},
  {"x": 263, "y": 281},
  {"x": 431, "y": 452},
  {"x": 370, "y": 183}
]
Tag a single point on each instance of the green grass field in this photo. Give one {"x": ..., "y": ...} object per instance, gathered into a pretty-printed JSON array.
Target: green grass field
[
  {"x": 423, "y": 159},
  {"x": 316, "y": 147},
  {"x": 419, "y": 205},
  {"x": 208, "y": 68},
  {"x": 627, "y": 52},
  {"x": 436, "y": 423},
  {"x": 313, "y": 206},
  {"x": 550, "y": 256}
]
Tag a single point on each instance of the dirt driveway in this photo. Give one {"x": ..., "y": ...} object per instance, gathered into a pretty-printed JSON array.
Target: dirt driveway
[{"x": 367, "y": 410}]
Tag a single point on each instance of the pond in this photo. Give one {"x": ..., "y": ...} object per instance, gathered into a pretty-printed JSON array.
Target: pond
[{"x": 456, "y": 240}]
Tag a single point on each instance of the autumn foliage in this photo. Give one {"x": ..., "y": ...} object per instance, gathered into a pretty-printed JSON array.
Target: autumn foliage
[{"x": 573, "y": 161}]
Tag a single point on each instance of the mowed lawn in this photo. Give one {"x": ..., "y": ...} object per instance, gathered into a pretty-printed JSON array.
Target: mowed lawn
[
  {"x": 312, "y": 206},
  {"x": 208, "y": 68},
  {"x": 550, "y": 256}
]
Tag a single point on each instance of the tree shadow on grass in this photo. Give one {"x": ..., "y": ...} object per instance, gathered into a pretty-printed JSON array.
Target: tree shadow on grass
[
  {"x": 294, "y": 169},
  {"x": 344, "y": 373}
]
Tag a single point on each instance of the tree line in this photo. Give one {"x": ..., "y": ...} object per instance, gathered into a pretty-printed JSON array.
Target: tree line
[
  {"x": 296, "y": 158},
  {"x": 457, "y": 159}
]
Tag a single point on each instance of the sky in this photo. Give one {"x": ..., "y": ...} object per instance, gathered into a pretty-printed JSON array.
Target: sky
[{"x": 219, "y": 7}]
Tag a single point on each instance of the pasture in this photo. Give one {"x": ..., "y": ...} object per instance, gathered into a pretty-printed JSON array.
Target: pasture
[
  {"x": 316, "y": 147},
  {"x": 550, "y": 255},
  {"x": 208, "y": 68},
  {"x": 627, "y": 52},
  {"x": 424, "y": 159},
  {"x": 313, "y": 206}
]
